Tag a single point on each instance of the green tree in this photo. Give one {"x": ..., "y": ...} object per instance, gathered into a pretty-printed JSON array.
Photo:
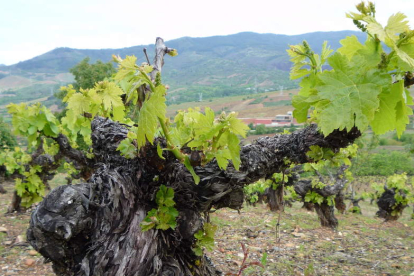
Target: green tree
[{"x": 86, "y": 75}]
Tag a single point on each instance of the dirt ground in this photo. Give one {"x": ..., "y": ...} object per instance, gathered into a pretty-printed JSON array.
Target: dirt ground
[{"x": 362, "y": 245}]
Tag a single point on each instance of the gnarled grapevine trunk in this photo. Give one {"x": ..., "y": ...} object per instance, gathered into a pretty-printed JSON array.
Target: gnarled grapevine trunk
[
  {"x": 275, "y": 198},
  {"x": 94, "y": 228},
  {"x": 325, "y": 210},
  {"x": 389, "y": 209}
]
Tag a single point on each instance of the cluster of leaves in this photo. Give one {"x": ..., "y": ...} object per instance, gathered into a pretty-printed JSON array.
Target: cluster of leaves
[
  {"x": 33, "y": 121},
  {"x": 104, "y": 99},
  {"x": 201, "y": 132},
  {"x": 40, "y": 126},
  {"x": 204, "y": 239},
  {"x": 14, "y": 160},
  {"x": 325, "y": 160},
  {"x": 365, "y": 86},
  {"x": 252, "y": 191},
  {"x": 164, "y": 217},
  {"x": 7, "y": 139},
  {"x": 29, "y": 186}
]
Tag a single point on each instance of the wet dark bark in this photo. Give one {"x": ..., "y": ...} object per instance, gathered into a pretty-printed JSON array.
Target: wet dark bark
[
  {"x": 389, "y": 209},
  {"x": 325, "y": 210}
]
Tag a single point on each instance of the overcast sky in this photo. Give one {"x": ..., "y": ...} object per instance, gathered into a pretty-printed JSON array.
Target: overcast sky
[{"x": 29, "y": 28}]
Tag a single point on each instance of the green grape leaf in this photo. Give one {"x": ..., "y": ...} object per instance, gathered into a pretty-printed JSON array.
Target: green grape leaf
[
  {"x": 301, "y": 108},
  {"x": 152, "y": 109},
  {"x": 190, "y": 168},
  {"x": 403, "y": 113},
  {"x": 127, "y": 149},
  {"x": 234, "y": 149},
  {"x": 353, "y": 96},
  {"x": 237, "y": 126},
  {"x": 165, "y": 196},
  {"x": 77, "y": 104},
  {"x": 389, "y": 34},
  {"x": 128, "y": 62},
  {"x": 111, "y": 96},
  {"x": 385, "y": 117},
  {"x": 198, "y": 251},
  {"x": 222, "y": 157},
  {"x": 405, "y": 57},
  {"x": 159, "y": 151},
  {"x": 350, "y": 46}
]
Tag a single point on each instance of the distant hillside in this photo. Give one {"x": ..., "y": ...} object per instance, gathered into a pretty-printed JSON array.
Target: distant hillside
[{"x": 205, "y": 67}]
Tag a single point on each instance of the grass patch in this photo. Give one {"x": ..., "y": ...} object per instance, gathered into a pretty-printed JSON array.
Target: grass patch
[{"x": 278, "y": 103}]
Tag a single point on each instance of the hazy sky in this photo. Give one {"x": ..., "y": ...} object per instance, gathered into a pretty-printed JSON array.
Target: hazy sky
[{"x": 32, "y": 27}]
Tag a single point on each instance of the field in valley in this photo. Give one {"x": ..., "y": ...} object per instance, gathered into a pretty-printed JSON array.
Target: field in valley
[{"x": 362, "y": 245}]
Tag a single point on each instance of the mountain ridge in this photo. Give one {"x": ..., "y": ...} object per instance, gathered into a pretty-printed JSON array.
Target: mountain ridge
[{"x": 215, "y": 66}]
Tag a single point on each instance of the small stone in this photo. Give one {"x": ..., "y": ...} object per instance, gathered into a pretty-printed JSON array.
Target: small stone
[
  {"x": 29, "y": 262},
  {"x": 32, "y": 252},
  {"x": 340, "y": 234},
  {"x": 241, "y": 255},
  {"x": 3, "y": 229},
  {"x": 19, "y": 239},
  {"x": 8, "y": 242}
]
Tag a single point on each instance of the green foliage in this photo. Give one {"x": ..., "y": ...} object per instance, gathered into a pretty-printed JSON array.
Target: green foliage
[
  {"x": 14, "y": 160},
  {"x": 165, "y": 216},
  {"x": 102, "y": 100},
  {"x": 355, "y": 210},
  {"x": 33, "y": 122},
  {"x": 326, "y": 158},
  {"x": 253, "y": 191},
  {"x": 7, "y": 140},
  {"x": 359, "y": 89},
  {"x": 216, "y": 138},
  {"x": 86, "y": 75},
  {"x": 28, "y": 186},
  {"x": 404, "y": 191},
  {"x": 204, "y": 239},
  {"x": 312, "y": 196},
  {"x": 385, "y": 163},
  {"x": 291, "y": 194},
  {"x": 31, "y": 188}
]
